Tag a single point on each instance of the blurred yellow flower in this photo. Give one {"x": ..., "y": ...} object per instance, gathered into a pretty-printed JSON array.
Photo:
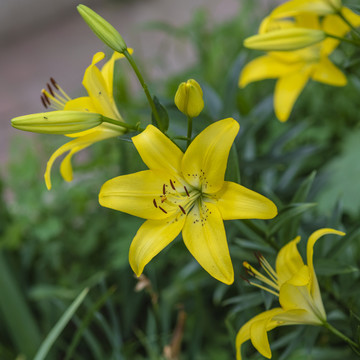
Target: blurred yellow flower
[
  {"x": 189, "y": 98},
  {"x": 294, "y": 68},
  {"x": 298, "y": 290},
  {"x": 185, "y": 192},
  {"x": 99, "y": 86}
]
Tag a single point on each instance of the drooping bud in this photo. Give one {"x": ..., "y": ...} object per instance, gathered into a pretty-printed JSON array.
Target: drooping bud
[
  {"x": 102, "y": 29},
  {"x": 57, "y": 122},
  {"x": 285, "y": 39},
  {"x": 189, "y": 98}
]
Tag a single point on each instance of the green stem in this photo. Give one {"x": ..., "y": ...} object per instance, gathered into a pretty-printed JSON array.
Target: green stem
[
  {"x": 189, "y": 132},
  {"x": 352, "y": 42},
  {"x": 121, "y": 124},
  {"x": 353, "y": 28},
  {"x": 339, "y": 334},
  {"x": 144, "y": 86}
]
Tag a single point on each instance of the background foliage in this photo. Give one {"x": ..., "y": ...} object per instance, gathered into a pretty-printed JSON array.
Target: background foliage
[{"x": 55, "y": 244}]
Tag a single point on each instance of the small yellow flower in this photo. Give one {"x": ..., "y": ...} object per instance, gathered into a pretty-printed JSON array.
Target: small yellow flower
[
  {"x": 185, "y": 192},
  {"x": 102, "y": 29},
  {"x": 294, "y": 69},
  {"x": 298, "y": 291},
  {"x": 57, "y": 122},
  {"x": 285, "y": 39},
  {"x": 189, "y": 98}
]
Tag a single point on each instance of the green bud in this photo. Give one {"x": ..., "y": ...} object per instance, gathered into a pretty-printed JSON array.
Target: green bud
[
  {"x": 57, "y": 122},
  {"x": 285, "y": 39},
  {"x": 189, "y": 98},
  {"x": 102, "y": 29}
]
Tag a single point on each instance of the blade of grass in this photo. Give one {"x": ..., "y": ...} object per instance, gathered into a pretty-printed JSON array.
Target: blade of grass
[{"x": 59, "y": 326}]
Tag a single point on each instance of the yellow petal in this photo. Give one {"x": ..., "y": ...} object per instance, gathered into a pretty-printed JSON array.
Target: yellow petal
[
  {"x": 327, "y": 73},
  {"x": 204, "y": 236},
  {"x": 266, "y": 67},
  {"x": 237, "y": 202},
  {"x": 319, "y": 7},
  {"x": 307, "y": 20},
  {"x": 204, "y": 162},
  {"x": 135, "y": 194},
  {"x": 97, "y": 89},
  {"x": 287, "y": 90},
  {"x": 293, "y": 317},
  {"x": 152, "y": 237},
  {"x": 107, "y": 71},
  {"x": 75, "y": 145},
  {"x": 66, "y": 170},
  {"x": 299, "y": 298},
  {"x": 301, "y": 278},
  {"x": 289, "y": 261},
  {"x": 264, "y": 319},
  {"x": 157, "y": 151}
]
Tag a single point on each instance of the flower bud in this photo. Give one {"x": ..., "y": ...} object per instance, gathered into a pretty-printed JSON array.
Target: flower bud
[
  {"x": 102, "y": 29},
  {"x": 285, "y": 39},
  {"x": 57, "y": 122},
  {"x": 189, "y": 98}
]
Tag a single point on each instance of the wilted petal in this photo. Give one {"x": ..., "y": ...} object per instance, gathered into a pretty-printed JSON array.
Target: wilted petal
[
  {"x": 237, "y": 202},
  {"x": 152, "y": 237},
  {"x": 204, "y": 236},
  {"x": 204, "y": 162}
]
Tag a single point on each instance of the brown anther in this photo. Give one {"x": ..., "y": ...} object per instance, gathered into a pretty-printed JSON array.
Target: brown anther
[
  {"x": 164, "y": 191},
  {"x": 54, "y": 83},
  {"x": 45, "y": 97},
  {"x": 258, "y": 256},
  {"x": 50, "y": 89},
  {"x": 172, "y": 185},
  {"x": 43, "y": 101},
  {"x": 182, "y": 209},
  {"x": 245, "y": 279},
  {"x": 155, "y": 204},
  {"x": 164, "y": 211},
  {"x": 186, "y": 190}
]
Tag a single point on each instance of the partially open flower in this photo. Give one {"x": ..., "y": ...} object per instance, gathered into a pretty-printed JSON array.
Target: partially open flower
[{"x": 189, "y": 98}]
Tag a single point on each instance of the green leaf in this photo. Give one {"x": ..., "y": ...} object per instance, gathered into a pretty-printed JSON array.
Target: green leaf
[
  {"x": 59, "y": 326},
  {"x": 163, "y": 115},
  {"x": 330, "y": 267}
]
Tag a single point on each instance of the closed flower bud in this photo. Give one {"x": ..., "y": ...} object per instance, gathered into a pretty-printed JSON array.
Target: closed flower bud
[
  {"x": 102, "y": 29},
  {"x": 285, "y": 39},
  {"x": 189, "y": 98},
  {"x": 57, "y": 122}
]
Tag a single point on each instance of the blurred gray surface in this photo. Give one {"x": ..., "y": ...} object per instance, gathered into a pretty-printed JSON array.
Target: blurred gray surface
[{"x": 43, "y": 38}]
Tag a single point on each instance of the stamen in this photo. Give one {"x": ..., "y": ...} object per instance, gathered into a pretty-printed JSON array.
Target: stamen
[
  {"x": 182, "y": 209},
  {"x": 186, "y": 190},
  {"x": 265, "y": 288},
  {"x": 52, "y": 80},
  {"x": 172, "y": 185},
  {"x": 245, "y": 279},
  {"x": 164, "y": 189},
  {"x": 43, "y": 101},
  {"x": 163, "y": 198},
  {"x": 162, "y": 210},
  {"x": 260, "y": 276},
  {"x": 46, "y": 98},
  {"x": 50, "y": 89},
  {"x": 155, "y": 204}
]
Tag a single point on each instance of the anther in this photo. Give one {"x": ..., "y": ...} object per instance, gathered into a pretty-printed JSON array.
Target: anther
[
  {"x": 172, "y": 185},
  {"x": 46, "y": 97},
  {"x": 182, "y": 209},
  {"x": 162, "y": 210},
  {"x": 245, "y": 279},
  {"x": 186, "y": 190},
  {"x": 50, "y": 89},
  {"x": 155, "y": 204},
  {"x": 54, "y": 83},
  {"x": 164, "y": 189},
  {"x": 43, "y": 101}
]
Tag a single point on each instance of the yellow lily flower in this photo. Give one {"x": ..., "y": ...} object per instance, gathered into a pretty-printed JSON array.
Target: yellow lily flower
[
  {"x": 294, "y": 69},
  {"x": 298, "y": 290},
  {"x": 185, "y": 192},
  {"x": 99, "y": 86}
]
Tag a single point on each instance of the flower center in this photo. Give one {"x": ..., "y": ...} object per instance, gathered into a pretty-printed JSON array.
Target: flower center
[
  {"x": 54, "y": 97},
  {"x": 176, "y": 197}
]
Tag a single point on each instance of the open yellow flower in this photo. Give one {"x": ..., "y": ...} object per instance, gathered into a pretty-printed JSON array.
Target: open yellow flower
[
  {"x": 298, "y": 290},
  {"x": 185, "y": 192},
  {"x": 99, "y": 86},
  {"x": 294, "y": 69}
]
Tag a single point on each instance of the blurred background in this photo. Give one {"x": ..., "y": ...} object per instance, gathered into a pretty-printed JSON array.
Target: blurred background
[{"x": 42, "y": 38}]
